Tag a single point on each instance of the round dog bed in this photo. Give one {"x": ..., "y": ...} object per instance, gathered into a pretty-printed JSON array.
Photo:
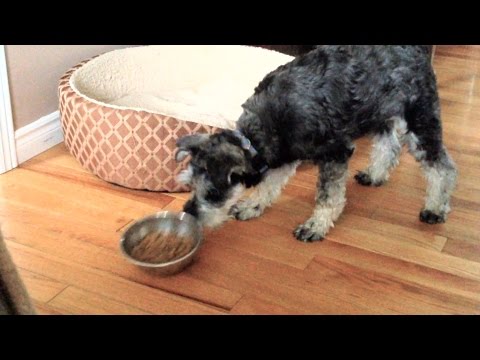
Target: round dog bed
[{"x": 123, "y": 111}]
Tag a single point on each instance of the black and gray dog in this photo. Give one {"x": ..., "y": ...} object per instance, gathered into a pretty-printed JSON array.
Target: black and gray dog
[{"x": 313, "y": 109}]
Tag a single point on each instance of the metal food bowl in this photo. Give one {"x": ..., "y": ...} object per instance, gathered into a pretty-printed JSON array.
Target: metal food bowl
[{"x": 181, "y": 224}]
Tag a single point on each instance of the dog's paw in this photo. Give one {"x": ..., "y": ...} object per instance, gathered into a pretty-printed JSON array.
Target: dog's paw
[
  {"x": 310, "y": 231},
  {"x": 364, "y": 179},
  {"x": 246, "y": 210},
  {"x": 429, "y": 217}
]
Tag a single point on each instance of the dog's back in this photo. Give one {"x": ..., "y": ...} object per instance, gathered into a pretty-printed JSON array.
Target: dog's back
[
  {"x": 313, "y": 109},
  {"x": 350, "y": 87}
]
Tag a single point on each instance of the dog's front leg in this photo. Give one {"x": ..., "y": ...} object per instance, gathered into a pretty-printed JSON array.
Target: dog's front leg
[
  {"x": 265, "y": 193},
  {"x": 330, "y": 202}
]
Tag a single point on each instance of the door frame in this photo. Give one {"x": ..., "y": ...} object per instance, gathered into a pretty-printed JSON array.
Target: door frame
[{"x": 8, "y": 153}]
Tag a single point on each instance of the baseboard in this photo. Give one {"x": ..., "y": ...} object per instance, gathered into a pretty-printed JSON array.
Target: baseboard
[
  {"x": 38, "y": 136},
  {"x": 8, "y": 156}
]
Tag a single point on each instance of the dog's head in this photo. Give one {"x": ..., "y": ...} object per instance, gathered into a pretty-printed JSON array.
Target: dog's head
[{"x": 216, "y": 173}]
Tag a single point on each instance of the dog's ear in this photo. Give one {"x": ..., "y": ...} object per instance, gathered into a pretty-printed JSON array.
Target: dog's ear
[{"x": 189, "y": 144}]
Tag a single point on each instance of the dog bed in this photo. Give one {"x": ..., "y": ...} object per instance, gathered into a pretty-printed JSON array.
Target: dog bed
[{"x": 123, "y": 111}]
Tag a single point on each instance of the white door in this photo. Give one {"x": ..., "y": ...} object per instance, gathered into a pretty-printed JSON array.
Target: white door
[{"x": 8, "y": 157}]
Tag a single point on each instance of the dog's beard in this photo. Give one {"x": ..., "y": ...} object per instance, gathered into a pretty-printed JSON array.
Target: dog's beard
[
  {"x": 209, "y": 215},
  {"x": 212, "y": 216}
]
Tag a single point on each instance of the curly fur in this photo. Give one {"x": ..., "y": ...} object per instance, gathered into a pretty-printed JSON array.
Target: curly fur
[{"x": 316, "y": 106}]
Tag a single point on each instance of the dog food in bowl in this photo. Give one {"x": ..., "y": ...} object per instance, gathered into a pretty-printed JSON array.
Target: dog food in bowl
[
  {"x": 164, "y": 243},
  {"x": 158, "y": 248}
]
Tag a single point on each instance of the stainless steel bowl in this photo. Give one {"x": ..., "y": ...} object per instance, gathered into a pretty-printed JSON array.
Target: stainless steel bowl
[{"x": 182, "y": 224}]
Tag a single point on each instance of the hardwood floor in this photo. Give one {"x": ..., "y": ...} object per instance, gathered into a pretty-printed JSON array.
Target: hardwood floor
[{"x": 62, "y": 226}]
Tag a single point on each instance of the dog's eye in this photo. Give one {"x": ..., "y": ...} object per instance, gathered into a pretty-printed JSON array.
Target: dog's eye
[
  {"x": 236, "y": 178},
  {"x": 213, "y": 195}
]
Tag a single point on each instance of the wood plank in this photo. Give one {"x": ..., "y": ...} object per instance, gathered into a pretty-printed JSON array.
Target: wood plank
[
  {"x": 105, "y": 284},
  {"x": 269, "y": 281},
  {"x": 80, "y": 302},
  {"x": 41, "y": 288},
  {"x": 184, "y": 284},
  {"x": 44, "y": 309},
  {"x": 81, "y": 202},
  {"x": 403, "y": 211},
  {"x": 463, "y": 248},
  {"x": 314, "y": 291},
  {"x": 414, "y": 254},
  {"x": 59, "y": 164},
  {"x": 423, "y": 238},
  {"x": 381, "y": 292},
  {"x": 405, "y": 271},
  {"x": 253, "y": 305}
]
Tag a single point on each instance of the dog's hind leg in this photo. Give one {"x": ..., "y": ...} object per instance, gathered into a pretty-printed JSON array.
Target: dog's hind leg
[
  {"x": 264, "y": 193},
  {"x": 426, "y": 145},
  {"x": 329, "y": 203},
  {"x": 385, "y": 155}
]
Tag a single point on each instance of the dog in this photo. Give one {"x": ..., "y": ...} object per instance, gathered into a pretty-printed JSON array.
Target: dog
[{"x": 313, "y": 109}]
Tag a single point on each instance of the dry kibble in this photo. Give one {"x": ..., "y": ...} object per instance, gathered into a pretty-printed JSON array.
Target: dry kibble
[{"x": 158, "y": 248}]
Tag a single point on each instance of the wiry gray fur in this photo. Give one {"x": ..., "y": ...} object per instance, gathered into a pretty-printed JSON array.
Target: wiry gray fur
[{"x": 313, "y": 109}]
